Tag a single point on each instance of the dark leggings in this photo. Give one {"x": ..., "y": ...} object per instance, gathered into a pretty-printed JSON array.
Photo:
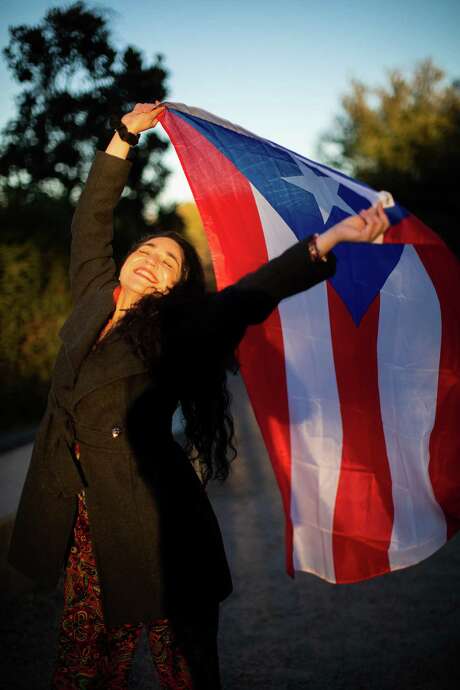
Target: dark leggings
[{"x": 90, "y": 655}]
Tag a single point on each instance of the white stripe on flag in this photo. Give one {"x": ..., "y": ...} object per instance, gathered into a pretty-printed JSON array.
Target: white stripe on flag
[
  {"x": 314, "y": 410},
  {"x": 409, "y": 343}
]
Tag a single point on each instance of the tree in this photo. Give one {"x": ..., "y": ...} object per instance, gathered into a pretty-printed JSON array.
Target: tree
[
  {"x": 73, "y": 79},
  {"x": 405, "y": 138}
]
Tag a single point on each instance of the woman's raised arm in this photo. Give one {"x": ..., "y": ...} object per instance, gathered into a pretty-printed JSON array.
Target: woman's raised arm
[{"x": 91, "y": 258}]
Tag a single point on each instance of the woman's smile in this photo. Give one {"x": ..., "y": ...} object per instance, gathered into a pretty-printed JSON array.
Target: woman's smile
[{"x": 145, "y": 273}]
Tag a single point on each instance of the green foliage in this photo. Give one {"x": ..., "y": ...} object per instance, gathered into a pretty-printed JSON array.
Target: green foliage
[
  {"x": 405, "y": 138},
  {"x": 34, "y": 303}
]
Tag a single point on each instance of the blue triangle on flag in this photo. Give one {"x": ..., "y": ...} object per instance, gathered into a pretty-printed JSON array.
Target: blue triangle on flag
[{"x": 362, "y": 270}]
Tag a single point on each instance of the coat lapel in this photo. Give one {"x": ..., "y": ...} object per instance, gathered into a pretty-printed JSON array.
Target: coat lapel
[
  {"x": 84, "y": 324},
  {"x": 79, "y": 334},
  {"x": 115, "y": 361}
]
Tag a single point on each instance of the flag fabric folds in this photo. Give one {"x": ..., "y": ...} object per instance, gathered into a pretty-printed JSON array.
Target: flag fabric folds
[{"x": 354, "y": 383}]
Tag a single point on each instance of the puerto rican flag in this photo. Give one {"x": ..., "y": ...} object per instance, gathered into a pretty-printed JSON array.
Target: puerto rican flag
[{"x": 355, "y": 382}]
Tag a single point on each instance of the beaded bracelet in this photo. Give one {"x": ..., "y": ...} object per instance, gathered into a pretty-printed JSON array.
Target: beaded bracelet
[{"x": 313, "y": 249}]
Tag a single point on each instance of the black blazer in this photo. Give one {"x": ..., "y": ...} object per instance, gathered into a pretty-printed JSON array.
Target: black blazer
[{"x": 157, "y": 543}]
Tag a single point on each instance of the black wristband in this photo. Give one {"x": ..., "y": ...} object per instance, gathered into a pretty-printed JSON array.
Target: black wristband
[{"x": 123, "y": 133}]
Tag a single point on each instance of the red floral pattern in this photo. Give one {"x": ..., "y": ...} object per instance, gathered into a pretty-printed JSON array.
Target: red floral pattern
[{"x": 90, "y": 655}]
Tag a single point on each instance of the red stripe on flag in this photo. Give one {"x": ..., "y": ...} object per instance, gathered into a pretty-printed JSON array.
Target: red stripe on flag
[
  {"x": 236, "y": 240},
  {"x": 411, "y": 230},
  {"x": 363, "y": 516},
  {"x": 444, "y": 468}
]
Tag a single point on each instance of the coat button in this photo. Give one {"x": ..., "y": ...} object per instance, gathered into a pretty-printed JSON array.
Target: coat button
[{"x": 116, "y": 431}]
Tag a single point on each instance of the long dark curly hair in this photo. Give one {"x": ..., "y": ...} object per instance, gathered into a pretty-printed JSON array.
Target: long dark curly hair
[{"x": 203, "y": 394}]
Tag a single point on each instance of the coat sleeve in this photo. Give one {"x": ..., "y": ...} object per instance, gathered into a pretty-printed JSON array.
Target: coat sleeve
[
  {"x": 91, "y": 256},
  {"x": 220, "y": 321}
]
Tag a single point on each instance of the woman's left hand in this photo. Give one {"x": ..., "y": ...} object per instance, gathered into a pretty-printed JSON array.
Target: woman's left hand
[
  {"x": 368, "y": 226},
  {"x": 143, "y": 116}
]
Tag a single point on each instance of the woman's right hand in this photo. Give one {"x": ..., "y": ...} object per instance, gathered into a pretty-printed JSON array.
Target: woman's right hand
[
  {"x": 368, "y": 226},
  {"x": 143, "y": 116}
]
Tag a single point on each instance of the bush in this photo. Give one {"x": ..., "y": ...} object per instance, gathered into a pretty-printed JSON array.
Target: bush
[{"x": 34, "y": 302}]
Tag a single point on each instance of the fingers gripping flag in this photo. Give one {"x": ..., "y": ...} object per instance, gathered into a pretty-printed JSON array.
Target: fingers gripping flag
[{"x": 354, "y": 383}]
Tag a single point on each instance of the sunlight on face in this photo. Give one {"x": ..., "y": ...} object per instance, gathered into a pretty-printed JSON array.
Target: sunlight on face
[{"x": 155, "y": 266}]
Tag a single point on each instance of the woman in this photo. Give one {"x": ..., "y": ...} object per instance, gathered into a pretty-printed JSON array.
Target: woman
[{"x": 109, "y": 494}]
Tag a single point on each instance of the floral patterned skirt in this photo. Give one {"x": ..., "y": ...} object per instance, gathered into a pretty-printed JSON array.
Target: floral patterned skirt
[{"x": 90, "y": 655}]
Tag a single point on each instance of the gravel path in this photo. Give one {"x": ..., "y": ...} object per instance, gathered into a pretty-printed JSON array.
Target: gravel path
[{"x": 397, "y": 631}]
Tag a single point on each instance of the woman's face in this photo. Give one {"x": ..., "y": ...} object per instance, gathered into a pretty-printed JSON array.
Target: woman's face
[{"x": 155, "y": 266}]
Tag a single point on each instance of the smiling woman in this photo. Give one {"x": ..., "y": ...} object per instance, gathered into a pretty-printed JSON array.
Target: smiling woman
[
  {"x": 154, "y": 266},
  {"x": 110, "y": 496}
]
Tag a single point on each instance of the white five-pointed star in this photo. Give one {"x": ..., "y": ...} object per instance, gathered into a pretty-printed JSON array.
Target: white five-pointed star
[{"x": 324, "y": 189}]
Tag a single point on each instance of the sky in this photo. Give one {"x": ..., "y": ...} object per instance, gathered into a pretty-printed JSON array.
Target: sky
[{"x": 278, "y": 68}]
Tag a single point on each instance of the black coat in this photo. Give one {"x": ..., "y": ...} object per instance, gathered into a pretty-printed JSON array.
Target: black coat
[{"x": 156, "y": 539}]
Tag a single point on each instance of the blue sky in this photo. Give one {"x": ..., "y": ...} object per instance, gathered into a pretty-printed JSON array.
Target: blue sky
[{"x": 277, "y": 68}]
